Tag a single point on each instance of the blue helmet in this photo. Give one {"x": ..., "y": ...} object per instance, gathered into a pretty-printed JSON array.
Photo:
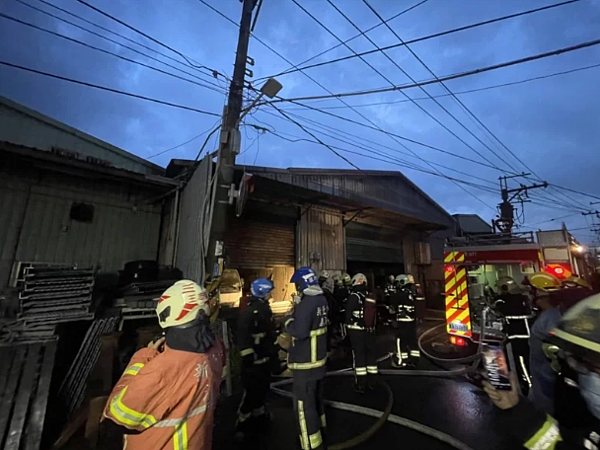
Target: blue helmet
[
  {"x": 261, "y": 287},
  {"x": 304, "y": 277}
]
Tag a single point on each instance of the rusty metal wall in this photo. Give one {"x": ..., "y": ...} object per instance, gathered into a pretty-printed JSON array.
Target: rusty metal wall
[
  {"x": 320, "y": 241},
  {"x": 35, "y": 222},
  {"x": 255, "y": 244},
  {"x": 192, "y": 225}
]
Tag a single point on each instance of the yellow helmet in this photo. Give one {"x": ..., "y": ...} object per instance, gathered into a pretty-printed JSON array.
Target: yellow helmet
[
  {"x": 181, "y": 304},
  {"x": 346, "y": 279},
  {"x": 544, "y": 281},
  {"x": 576, "y": 282}
]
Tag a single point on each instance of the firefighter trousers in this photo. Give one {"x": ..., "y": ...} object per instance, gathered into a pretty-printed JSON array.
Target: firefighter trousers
[
  {"x": 309, "y": 407},
  {"x": 407, "y": 347},
  {"x": 363, "y": 352},
  {"x": 255, "y": 381}
]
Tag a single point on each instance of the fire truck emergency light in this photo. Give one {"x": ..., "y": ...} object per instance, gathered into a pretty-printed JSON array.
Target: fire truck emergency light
[{"x": 458, "y": 341}]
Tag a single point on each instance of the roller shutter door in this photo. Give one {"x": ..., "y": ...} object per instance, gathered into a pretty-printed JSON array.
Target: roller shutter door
[
  {"x": 371, "y": 244},
  {"x": 257, "y": 245}
]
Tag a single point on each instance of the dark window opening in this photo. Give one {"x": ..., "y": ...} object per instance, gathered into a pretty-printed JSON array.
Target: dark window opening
[{"x": 82, "y": 212}]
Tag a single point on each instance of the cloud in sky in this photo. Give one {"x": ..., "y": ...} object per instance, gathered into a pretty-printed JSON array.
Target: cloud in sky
[{"x": 553, "y": 125}]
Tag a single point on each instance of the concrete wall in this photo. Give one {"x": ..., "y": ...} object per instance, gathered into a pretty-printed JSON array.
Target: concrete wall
[
  {"x": 35, "y": 222},
  {"x": 22, "y": 126}
]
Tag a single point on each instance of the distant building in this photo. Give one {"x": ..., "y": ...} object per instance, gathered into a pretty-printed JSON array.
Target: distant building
[{"x": 471, "y": 224}]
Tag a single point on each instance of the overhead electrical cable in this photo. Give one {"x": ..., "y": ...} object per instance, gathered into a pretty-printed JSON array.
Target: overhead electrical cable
[
  {"x": 124, "y": 46},
  {"x": 468, "y": 91},
  {"x": 105, "y": 88},
  {"x": 147, "y": 36},
  {"x": 409, "y": 77},
  {"x": 467, "y": 73},
  {"x": 362, "y": 33},
  {"x": 435, "y": 35},
  {"x": 466, "y": 109},
  {"x": 116, "y": 55},
  {"x": 114, "y": 33},
  {"x": 457, "y": 182},
  {"x": 356, "y": 111},
  {"x": 183, "y": 143}
]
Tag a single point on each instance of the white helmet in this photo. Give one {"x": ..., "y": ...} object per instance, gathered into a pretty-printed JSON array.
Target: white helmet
[
  {"x": 359, "y": 279},
  {"x": 402, "y": 279},
  {"x": 181, "y": 304},
  {"x": 324, "y": 275}
]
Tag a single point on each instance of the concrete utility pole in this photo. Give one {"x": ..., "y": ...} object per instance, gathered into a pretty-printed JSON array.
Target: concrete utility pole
[{"x": 229, "y": 147}]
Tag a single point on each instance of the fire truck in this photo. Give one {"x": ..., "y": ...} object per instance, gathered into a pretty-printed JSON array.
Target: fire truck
[{"x": 477, "y": 269}]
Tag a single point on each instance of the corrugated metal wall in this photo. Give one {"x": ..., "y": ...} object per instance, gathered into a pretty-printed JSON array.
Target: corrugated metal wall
[
  {"x": 35, "y": 223},
  {"x": 190, "y": 254},
  {"x": 374, "y": 244},
  {"x": 320, "y": 241}
]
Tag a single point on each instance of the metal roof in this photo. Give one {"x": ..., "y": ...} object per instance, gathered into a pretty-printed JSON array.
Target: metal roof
[
  {"x": 24, "y": 126},
  {"x": 472, "y": 223},
  {"x": 389, "y": 191}
]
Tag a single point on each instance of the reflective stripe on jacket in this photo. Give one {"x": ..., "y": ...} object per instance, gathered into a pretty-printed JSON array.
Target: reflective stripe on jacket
[
  {"x": 308, "y": 328},
  {"x": 169, "y": 397}
]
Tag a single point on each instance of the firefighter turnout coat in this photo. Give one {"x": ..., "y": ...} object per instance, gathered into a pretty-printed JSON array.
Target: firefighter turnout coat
[
  {"x": 308, "y": 327},
  {"x": 256, "y": 332},
  {"x": 168, "y": 398}
]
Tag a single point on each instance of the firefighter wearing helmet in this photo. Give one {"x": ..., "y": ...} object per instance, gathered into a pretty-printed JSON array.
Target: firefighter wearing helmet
[
  {"x": 256, "y": 341},
  {"x": 403, "y": 303},
  {"x": 552, "y": 298},
  {"x": 308, "y": 355},
  {"x": 341, "y": 294},
  {"x": 161, "y": 400},
  {"x": 361, "y": 312},
  {"x": 574, "y": 347}
]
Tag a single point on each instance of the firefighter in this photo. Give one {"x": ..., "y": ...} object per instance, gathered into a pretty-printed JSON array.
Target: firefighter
[
  {"x": 307, "y": 357},
  {"x": 256, "y": 341},
  {"x": 390, "y": 287},
  {"x": 361, "y": 312},
  {"x": 518, "y": 317},
  {"x": 403, "y": 303},
  {"x": 341, "y": 294},
  {"x": 328, "y": 286},
  {"x": 574, "y": 348},
  {"x": 165, "y": 399}
]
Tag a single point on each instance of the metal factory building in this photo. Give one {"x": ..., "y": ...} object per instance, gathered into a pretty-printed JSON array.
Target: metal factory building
[
  {"x": 375, "y": 222},
  {"x": 67, "y": 197}
]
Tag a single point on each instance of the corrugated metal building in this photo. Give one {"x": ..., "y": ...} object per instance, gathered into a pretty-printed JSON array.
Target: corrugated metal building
[
  {"x": 337, "y": 220},
  {"x": 74, "y": 203}
]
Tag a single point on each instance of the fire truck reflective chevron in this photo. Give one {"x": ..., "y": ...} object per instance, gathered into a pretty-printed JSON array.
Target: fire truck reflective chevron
[{"x": 458, "y": 316}]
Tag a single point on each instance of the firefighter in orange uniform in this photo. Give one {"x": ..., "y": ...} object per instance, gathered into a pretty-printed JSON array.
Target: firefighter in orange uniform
[{"x": 166, "y": 400}]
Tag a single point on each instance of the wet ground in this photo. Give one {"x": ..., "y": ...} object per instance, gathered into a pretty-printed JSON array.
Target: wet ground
[{"x": 454, "y": 406}]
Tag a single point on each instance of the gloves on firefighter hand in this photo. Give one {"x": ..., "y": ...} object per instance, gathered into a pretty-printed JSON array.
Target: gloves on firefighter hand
[
  {"x": 503, "y": 399},
  {"x": 296, "y": 299}
]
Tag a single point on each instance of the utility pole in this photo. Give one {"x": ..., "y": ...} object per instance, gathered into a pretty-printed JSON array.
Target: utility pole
[
  {"x": 229, "y": 147},
  {"x": 506, "y": 218}
]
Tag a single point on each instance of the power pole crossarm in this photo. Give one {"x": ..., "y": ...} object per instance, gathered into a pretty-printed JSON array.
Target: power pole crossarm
[{"x": 227, "y": 152}]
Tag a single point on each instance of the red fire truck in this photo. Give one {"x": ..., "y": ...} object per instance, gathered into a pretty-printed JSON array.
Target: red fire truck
[{"x": 476, "y": 268}]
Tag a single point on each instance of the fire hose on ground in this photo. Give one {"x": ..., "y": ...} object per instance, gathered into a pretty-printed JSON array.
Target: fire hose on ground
[{"x": 386, "y": 415}]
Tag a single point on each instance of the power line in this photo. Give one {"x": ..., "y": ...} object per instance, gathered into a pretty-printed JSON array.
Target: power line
[
  {"x": 147, "y": 36},
  {"x": 453, "y": 76},
  {"x": 114, "y": 33},
  {"x": 369, "y": 156},
  {"x": 362, "y": 33},
  {"x": 183, "y": 143},
  {"x": 469, "y": 112},
  {"x": 469, "y": 91},
  {"x": 555, "y": 218},
  {"x": 119, "y": 44},
  {"x": 62, "y": 36},
  {"x": 357, "y": 112},
  {"x": 412, "y": 79},
  {"x": 435, "y": 35},
  {"x": 104, "y": 88}
]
